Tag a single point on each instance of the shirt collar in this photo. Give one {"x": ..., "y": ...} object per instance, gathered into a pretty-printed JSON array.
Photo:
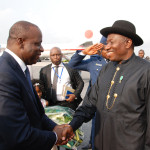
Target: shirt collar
[
  {"x": 60, "y": 65},
  {"x": 126, "y": 62},
  {"x": 19, "y": 61}
]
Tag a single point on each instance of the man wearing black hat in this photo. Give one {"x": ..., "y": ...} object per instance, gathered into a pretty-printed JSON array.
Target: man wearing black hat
[{"x": 121, "y": 95}]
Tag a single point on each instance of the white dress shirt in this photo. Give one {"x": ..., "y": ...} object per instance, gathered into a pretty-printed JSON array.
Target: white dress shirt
[{"x": 63, "y": 79}]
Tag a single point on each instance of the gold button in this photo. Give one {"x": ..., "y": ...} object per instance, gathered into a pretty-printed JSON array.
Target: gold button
[
  {"x": 115, "y": 95},
  {"x": 112, "y": 82},
  {"x": 108, "y": 96},
  {"x": 117, "y": 68}
]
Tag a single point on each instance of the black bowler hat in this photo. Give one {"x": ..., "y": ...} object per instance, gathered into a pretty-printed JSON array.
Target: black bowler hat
[{"x": 124, "y": 28}]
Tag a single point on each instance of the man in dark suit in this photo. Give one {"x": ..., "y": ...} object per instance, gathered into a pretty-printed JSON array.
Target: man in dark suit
[
  {"x": 65, "y": 76},
  {"x": 23, "y": 123}
]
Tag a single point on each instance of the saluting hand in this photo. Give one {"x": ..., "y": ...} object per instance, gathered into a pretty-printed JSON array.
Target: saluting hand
[{"x": 93, "y": 49}]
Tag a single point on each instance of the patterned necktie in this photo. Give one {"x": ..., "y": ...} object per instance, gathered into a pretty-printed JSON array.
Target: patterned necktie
[{"x": 54, "y": 85}]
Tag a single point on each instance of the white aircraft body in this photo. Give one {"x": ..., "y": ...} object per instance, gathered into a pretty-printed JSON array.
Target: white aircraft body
[{"x": 67, "y": 49}]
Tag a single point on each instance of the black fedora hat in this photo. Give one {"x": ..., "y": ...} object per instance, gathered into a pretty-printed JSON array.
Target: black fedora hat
[{"x": 124, "y": 28}]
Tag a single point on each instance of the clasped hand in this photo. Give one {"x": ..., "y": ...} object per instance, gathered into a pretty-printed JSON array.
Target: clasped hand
[{"x": 64, "y": 134}]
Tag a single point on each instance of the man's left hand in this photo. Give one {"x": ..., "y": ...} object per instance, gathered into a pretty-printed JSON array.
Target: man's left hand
[{"x": 71, "y": 97}]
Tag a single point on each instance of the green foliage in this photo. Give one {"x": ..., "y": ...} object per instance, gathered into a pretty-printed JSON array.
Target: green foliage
[{"x": 63, "y": 115}]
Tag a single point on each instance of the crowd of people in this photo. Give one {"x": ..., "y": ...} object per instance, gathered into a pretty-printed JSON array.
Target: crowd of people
[{"x": 117, "y": 98}]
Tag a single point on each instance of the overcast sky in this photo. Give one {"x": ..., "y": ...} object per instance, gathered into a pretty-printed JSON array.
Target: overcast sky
[{"x": 65, "y": 21}]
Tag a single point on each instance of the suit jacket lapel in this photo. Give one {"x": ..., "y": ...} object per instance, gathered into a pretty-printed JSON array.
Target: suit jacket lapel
[
  {"x": 21, "y": 74},
  {"x": 26, "y": 85},
  {"x": 48, "y": 75}
]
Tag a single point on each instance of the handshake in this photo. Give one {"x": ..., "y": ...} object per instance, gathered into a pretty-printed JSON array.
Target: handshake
[{"x": 64, "y": 133}]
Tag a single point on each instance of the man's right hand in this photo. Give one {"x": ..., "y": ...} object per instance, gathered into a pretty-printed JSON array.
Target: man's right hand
[
  {"x": 68, "y": 132},
  {"x": 93, "y": 49}
]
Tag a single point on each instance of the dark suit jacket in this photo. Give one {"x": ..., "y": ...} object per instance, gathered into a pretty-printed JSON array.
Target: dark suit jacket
[
  {"x": 23, "y": 123},
  {"x": 76, "y": 82}
]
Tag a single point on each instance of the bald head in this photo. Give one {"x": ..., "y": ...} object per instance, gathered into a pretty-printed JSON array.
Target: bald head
[
  {"x": 25, "y": 40},
  {"x": 21, "y": 29},
  {"x": 56, "y": 55},
  {"x": 54, "y": 49}
]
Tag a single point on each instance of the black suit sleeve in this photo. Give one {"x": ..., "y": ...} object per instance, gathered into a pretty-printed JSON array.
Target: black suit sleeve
[
  {"x": 42, "y": 79},
  {"x": 78, "y": 82},
  {"x": 87, "y": 110}
]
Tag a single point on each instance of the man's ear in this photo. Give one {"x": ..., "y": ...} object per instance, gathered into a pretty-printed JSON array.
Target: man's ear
[
  {"x": 128, "y": 43},
  {"x": 20, "y": 42}
]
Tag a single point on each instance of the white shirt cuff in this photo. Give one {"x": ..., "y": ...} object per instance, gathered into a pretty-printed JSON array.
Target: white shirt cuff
[
  {"x": 56, "y": 137},
  {"x": 81, "y": 53}
]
